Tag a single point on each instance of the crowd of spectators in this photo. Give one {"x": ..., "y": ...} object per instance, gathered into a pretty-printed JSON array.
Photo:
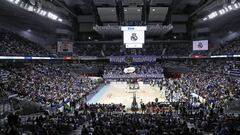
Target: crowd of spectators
[
  {"x": 207, "y": 79},
  {"x": 228, "y": 48},
  {"x": 102, "y": 107},
  {"x": 47, "y": 84},
  {"x": 43, "y": 124},
  {"x": 180, "y": 49},
  {"x": 53, "y": 84},
  {"x": 181, "y": 121},
  {"x": 12, "y": 44},
  {"x": 50, "y": 84},
  {"x": 3, "y": 78},
  {"x": 120, "y": 50},
  {"x": 232, "y": 68},
  {"x": 110, "y": 119},
  {"x": 141, "y": 71},
  {"x": 107, "y": 119},
  {"x": 89, "y": 50}
]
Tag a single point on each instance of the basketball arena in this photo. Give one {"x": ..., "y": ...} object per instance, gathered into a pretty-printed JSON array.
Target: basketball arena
[{"x": 119, "y": 67}]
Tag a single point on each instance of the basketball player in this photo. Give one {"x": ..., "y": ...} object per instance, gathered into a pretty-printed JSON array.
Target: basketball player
[{"x": 143, "y": 107}]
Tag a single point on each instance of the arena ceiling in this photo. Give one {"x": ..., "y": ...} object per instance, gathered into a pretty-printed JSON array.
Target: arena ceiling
[
  {"x": 118, "y": 11},
  {"x": 133, "y": 12},
  {"x": 83, "y": 15},
  {"x": 180, "y": 13},
  {"x": 10, "y": 14}
]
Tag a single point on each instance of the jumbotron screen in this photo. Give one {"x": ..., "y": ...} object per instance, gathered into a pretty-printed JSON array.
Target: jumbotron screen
[
  {"x": 200, "y": 45},
  {"x": 134, "y": 36}
]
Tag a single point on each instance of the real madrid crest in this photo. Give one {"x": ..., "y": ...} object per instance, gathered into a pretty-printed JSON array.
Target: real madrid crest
[{"x": 134, "y": 37}]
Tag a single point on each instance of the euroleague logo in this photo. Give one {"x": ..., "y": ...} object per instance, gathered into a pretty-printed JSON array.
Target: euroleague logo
[{"x": 134, "y": 37}]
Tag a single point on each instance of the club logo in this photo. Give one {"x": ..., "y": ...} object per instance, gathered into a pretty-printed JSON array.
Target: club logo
[
  {"x": 134, "y": 37},
  {"x": 200, "y": 45}
]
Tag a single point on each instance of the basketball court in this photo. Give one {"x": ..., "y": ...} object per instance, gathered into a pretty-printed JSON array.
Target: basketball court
[{"x": 119, "y": 92}]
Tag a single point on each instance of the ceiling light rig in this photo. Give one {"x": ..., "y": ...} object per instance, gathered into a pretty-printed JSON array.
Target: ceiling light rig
[
  {"x": 224, "y": 10},
  {"x": 36, "y": 10}
]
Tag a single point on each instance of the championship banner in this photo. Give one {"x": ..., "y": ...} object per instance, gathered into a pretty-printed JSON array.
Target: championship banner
[
  {"x": 201, "y": 45},
  {"x": 65, "y": 46}
]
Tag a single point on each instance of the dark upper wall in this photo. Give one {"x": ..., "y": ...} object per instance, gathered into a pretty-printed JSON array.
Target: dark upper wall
[
  {"x": 43, "y": 40},
  {"x": 32, "y": 26}
]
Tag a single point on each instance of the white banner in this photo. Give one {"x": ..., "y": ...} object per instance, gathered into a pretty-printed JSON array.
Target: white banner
[
  {"x": 134, "y": 28},
  {"x": 129, "y": 70},
  {"x": 134, "y": 45},
  {"x": 201, "y": 45}
]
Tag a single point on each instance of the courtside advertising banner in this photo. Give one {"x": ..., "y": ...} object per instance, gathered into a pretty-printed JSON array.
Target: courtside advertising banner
[{"x": 201, "y": 45}]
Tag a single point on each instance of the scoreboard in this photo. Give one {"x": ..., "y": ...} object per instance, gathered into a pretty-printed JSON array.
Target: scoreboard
[{"x": 134, "y": 36}]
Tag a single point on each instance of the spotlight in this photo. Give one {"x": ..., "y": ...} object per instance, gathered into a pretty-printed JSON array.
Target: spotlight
[
  {"x": 233, "y": 1},
  {"x": 16, "y": 1},
  {"x": 213, "y": 15},
  {"x": 205, "y": 19}
]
